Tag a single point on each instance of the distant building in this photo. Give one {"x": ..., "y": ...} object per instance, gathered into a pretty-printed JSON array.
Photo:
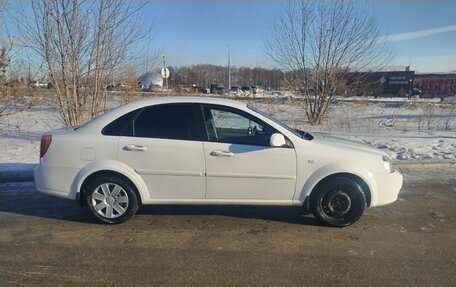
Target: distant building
[
  {"x": 403, "y": 83},
  {"x": 150, "y": 80},
  {"x": 395, "y": 83},
  {"x": 436, "y": 85},
  {"x": 392, "y": 83}
]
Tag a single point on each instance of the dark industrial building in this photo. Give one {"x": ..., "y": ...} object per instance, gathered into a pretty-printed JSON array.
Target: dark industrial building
[
  {"x": 404, "y": 83},
  {"x": 436, "y": 85},
  {"x": 383, "y": 84}
]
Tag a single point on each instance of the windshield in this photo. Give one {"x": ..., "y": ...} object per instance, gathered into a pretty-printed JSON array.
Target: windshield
[{"x": 301, "y": 134}]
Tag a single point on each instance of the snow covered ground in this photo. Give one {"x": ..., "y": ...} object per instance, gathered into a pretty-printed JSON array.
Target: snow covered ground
[{"x": 410, "y": 131}]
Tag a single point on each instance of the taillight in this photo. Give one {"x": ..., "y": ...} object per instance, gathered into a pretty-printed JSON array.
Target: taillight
[{"x": 45, "y": 143}]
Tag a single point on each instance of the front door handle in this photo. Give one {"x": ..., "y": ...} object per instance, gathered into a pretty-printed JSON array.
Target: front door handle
[
  {"x": 132, "y": 147},
  {"x": 221, "y": 153}
]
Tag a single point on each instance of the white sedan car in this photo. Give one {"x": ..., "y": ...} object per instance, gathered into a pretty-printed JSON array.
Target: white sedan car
[{"x": 198, "y": 150}]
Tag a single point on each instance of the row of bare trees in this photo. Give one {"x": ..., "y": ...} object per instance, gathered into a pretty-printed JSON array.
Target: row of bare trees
[
  {"x": 319, "y": 45},
  {"x": 206, "y": 74}
]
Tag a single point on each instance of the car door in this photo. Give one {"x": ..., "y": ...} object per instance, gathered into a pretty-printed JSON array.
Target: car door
[
  {"x": 240, "y": 163},
  {"x": 163, "y": 145}
]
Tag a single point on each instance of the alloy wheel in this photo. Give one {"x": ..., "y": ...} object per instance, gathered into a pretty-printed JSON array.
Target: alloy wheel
[{"x": 110, "y": 200}]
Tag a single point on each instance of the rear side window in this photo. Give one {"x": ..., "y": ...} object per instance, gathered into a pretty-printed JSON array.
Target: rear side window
[
  {"x": 174, "y": 121},
  {"x": 120, "y": 126}
]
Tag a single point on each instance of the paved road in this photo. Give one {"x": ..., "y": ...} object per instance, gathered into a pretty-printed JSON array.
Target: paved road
[{"x": 46, "y": 241}]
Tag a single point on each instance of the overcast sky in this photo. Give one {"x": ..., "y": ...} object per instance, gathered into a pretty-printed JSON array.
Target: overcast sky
[{"x": 422, "y": 33}]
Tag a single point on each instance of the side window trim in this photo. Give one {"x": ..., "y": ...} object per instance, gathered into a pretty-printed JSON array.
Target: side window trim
[
  {"x": 201, "y": 122},
  {"x": 133, "y": 120},
  {"x": 196, "y": 120}
]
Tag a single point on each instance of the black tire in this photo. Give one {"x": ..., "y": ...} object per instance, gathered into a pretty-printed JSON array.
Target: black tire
[
  {"x": 118, "y": 207},
  {"x": 338, "y": 201}
]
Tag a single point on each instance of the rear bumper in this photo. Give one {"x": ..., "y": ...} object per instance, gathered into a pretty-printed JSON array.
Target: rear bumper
[
  {"x": 389, "y": 186},
  {"x": 54, "y": 181}
]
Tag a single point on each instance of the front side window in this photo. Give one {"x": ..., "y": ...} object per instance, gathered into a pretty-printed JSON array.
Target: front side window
[
  {"x": 227, "y": 126},
  {"x": 264, "y": 114}
]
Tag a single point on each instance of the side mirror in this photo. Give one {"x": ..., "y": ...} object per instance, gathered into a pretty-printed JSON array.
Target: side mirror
[{"x": 277, "y": 140}]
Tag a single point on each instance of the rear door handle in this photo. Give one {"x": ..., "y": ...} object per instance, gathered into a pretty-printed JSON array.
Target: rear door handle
[
  {"x": 221, "y": 153},
  {"x": 132, "y": 147}
]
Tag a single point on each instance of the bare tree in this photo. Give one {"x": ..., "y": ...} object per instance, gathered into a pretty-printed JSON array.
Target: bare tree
[
  {"x": 83, "y": 44},
  {"x": 321, "y": 44},
  {"x": 5, "y": 44},
  {"x": 10, "y": 98}
]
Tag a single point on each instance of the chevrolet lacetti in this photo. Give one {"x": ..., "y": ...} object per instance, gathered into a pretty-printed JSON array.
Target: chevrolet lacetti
[{"x": 198, "y": 150}]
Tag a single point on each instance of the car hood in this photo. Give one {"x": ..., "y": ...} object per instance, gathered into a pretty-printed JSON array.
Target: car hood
[{"x": 335, "y": 142}]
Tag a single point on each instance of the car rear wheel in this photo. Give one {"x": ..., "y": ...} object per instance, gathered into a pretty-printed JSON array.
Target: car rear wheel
[
  {"x": 111, "y": 199},
  {"x": 338, "y": 201}
]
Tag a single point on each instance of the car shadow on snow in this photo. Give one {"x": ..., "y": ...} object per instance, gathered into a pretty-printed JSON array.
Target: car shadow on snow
[
  {"x": 22, "y": 198},
  {"x": 16, "y": 172},
  {"x": 291, "y": 215}
]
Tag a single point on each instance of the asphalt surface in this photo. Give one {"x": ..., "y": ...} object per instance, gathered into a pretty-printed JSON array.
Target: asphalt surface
[{"x": 47, "y": 241}]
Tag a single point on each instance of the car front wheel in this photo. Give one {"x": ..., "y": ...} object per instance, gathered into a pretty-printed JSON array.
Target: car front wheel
[
  {"x": 111, "y": 199},
  {"x": 338, "y": 201}
]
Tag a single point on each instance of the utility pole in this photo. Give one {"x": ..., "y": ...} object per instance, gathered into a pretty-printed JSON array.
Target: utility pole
[
  {"x": 229, "y": 68},
  {"x": 147, "y": 54},
  {"x": 164, "y": 68}
]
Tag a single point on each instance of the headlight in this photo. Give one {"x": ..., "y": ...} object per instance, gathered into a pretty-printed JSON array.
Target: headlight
[{"x": 388, "y": 164}]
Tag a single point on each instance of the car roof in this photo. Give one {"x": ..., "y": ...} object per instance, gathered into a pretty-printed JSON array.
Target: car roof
[
  {"x": 101, "y": 121},
  {"x": 185, "y": 99}
]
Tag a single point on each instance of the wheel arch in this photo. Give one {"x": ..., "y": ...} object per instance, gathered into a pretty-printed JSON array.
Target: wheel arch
[
  {"x": 354, "y": 177},
  {"x": 360, "y": 175},
  {"x": 81, "y": 197},
  {"x": 111, "y": 168}
]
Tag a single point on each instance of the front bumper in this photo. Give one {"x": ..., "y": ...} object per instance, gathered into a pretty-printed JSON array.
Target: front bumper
[{"x": 388, "y": 187}]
